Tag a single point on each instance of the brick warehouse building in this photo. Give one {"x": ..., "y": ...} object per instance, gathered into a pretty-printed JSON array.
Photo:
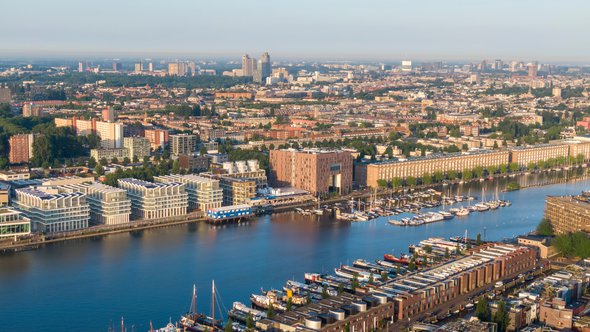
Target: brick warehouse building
[
  {"x": 314, "y": 170},
  {"x": 410, "y": 295}
]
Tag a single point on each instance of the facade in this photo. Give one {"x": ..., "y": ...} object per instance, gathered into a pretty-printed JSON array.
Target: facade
[
  {"x": 203, "y": 193},
  {"x": 237, "y": 191},
  {"x": 245, "y": 170},
  {"x": 183, "y": 144},
  {"x": 109, "y": 154},
  {"x": 110, "y": 133},
  {"x": 230, "y": 212},
  {"x": 13, "y": 223},
  {"x": 108, "y": 205},
  {"x": 408, "y": 296},
  {"x": 417, "y": 167},
  {"x": 155, "y": 200},
  {"x": 21, "y": 148},
  {"x": 193, "y": 163},
  {"x": 5, "y": 94},
  {"x": 313, "y": 170},
  {"x": 533, "y": 154},
  {"x": 31, "y": 109},
  {"x": 137, "y": 147},
  {"x": 568, "y": 214},
  {"x": 51, "y": 210},
  {"x": 158, "y": 137}
]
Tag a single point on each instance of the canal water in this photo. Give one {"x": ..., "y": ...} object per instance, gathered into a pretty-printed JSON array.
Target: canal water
[{"x": 88, "y": 285}]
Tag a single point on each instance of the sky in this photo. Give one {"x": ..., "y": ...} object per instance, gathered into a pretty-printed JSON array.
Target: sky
[{"x": 546, "y": 30}]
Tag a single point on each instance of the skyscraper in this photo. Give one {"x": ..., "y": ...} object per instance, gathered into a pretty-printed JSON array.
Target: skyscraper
[
  {"x": 533, "y": 69},
  {"x": 81, "y": 67},
  {"x": 263, "y": 69},
  {"x": 117, "y": 66},
  {"x": 248, "y": 65},
  {"x": 5, "y": 94}
]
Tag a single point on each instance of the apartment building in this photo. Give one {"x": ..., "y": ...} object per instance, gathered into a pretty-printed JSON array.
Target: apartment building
[
  {"x": 568, "y": 214},
  {"x": 314, "y": 170},
  {"x": 417, "y": 167},
  {"x": 110, "y": 133},
  {"x": 183, "y": 144},
  {"x": 193, "y": 163},
  {"x": 203, "y": 193},
  {"x": 158, "y": 138},
  {"x": 137, "y": 147},
  {"x": 21, "y": 148},
  {"x": 13, "y": 223},
  {"x": 241, "y": 169},
  {"x": 155, "y": 200},
  {"x": 108, "y": 205},
  {"x": 51, "y": 210},
  {"x": 523, "y": 155},
  {"x": 109, "y": 154}
]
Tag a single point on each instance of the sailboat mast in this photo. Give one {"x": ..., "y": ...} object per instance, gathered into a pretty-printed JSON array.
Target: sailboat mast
[
  {"x": 213, "y": 304},
  {"x": 194, "y": 300}
]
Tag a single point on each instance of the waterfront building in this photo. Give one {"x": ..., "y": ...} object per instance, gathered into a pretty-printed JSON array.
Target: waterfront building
[
  {"x": 244, "y": 170},
  {"x": 417, "y": 167},
  {"x": 21, "y": 148},
  {"x": 235, "y": 190},
  {"x": 410, "y": 295},
  {"x": 183, "y": 144},
  {"x": 523, "y": 155},
  {"x": 51, "y": 210},
  {"x": 155, "y": 200},
  {"x": 137, "y": 147},
  {"x": 108, "y": 205},
  {"x": 193, "y": 162},
  {"x": 230, "y": 212},
  {"x": 109, "y": 154},
  {"x": 203, "y": 193},
  {"x": 568, "y": 214},
  {"x": 13, "y": 223},
  {"x": 314, "y": 170}
]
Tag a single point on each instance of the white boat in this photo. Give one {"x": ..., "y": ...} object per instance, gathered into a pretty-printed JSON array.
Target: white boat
[
  {"x": 462, "y": 212},
  {"x": 446, "y": 215},
  {"x": 481, "y": 207},
  {"x": 396, "y": 222}
]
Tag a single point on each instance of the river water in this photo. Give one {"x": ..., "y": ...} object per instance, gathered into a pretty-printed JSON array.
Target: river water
[{"x": 87, "y": 285}]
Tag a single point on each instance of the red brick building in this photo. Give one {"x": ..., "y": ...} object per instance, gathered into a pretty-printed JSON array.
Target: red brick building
[
  {"x": 21, "y": 148},
  {"x": 314, "y": 170}
]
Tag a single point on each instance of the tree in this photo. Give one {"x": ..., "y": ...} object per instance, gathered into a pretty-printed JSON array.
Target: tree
[
  {"x": 412, "y": 265},
  {"x": 427, "y": 249},
  {"x": 501, "y": 317},
  {"x": 176, "y": 167},
  {"x": 135, "y": 159},
  {"x": 371, "y": 278},
  {"x": 354, "y": 284},
  {"x": 115, "y": 160},
  {"x": 396, "y": 183},
  {"x": 382, "y": 183},
  {"x": 126, "y": 161},
  {"x": 270, "y": 312},
  {"x": 91, "y": 162},
  {"x": 503, "y": 169},
  {"x": 99, "y": 170},
  {"x": 482, "y": 309},
  {"x": 531, "y": 166},
  {"x": 384, "y": 276},
  {"x": 325, "y": 294},
  {"x": 545, "y": 228},
  {"x": 411, "y": 181},
  {"x": 447, "y": 254},
  {"x": 228, "y": 326},
  {"x": 340, "y": 288},
  {"x": 478, "y": 239},
  {"x": 426, "y": 179},
  {"x": 103, "y": 161},
  {"x": 514, "y": 167},
  {"x": 308, "y": 298},
  {"x": 452, "y": 175},
  {"x": 289, "y": 304},
  {"x": 249, "y": 321}
]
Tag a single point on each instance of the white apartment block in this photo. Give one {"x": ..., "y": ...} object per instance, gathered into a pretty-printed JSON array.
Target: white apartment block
[
  {"x": 183, "y": 144},
  {"x": 155, "y": 200},
  {"x": 109, "y": 154},
  {"x": 203, "y": 193},
  {"x": 137, "y": 147},
  {"x": 108, "y": 205},
  {"x": 52, "y": 211},
  {"x": 111, "y": 134}
]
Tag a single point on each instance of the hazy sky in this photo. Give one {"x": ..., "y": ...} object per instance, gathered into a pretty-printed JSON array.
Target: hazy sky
[{"x": 551, "y": 30}]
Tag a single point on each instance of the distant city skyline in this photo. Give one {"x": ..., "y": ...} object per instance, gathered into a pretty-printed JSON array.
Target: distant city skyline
[{"x": 337, "y": 30}]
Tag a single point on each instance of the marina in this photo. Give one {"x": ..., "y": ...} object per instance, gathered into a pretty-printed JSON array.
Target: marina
[{"x": 148, "y": 275}]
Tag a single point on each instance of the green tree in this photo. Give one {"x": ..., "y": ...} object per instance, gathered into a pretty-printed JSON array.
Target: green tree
[
  {"x": 91, "y": 162},
  {"x": 115, "y": 160},
  {"x": 371, "y": 278},
  {"x": 340, "y": 288},
  {"x": 384, "y": 276},
  {"x": 270, "y": 312},
  {"x": 103, "y": 161},
  {"x": 354, "y": 284},
  {"x": 325, "y": 294},
  {"x": 411, "y": 181},
  {"x": 545, "y": 228},
  {"x": 447, "y": 254},
  {"x": 382, "y": 183},
  {"x": 249, "y": 321},
  {"x": 228, "y": 326},
  {"x": 478, "y": 240},
  {"x": 176, "y": 167},
  {"x": 466, "y": 174},
  {"x": 513, "y": 167},
  {"x": 135, "y": 159},
  {"x": 501, "y": 317},
  {"x": 289, "y": 304},
  {"x": 482, "y": 310},
  {"x": 452, "y": 175},
  {"x": 99, "y": 170},
  {"x": 396, "y": 183},
  {"x": 126, "y": 161},
  {"x": 426, "y": 179},
  {"x": 503, "y": 169}
]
